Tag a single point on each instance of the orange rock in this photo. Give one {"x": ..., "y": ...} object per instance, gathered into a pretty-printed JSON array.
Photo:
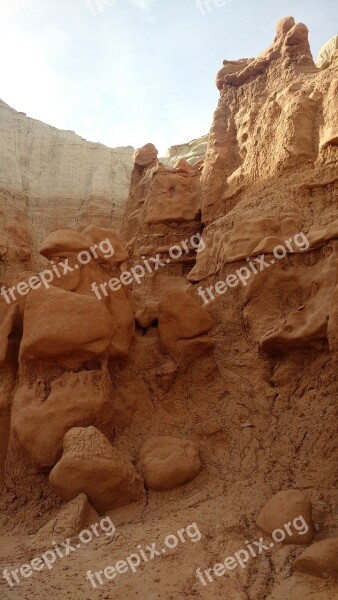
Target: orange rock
[
  {"x": 284, "y": 25},
  {"x": 181, "y": 319},
  {"x": 64, "y": 242},
  {"x": 75, "y": 400},
  {"x": 283, "y": 509},
  {"x": 145, "y": 156},
  {"x": 99, "y": 235},
  {"x": 59, "y": 323},
  {"x": 173, "y": 196},
  {"x": 90, "y": 465},
  {"x": 6, "y": 328},
  {"x": 320, "y": 559},
  {"x": 124, "y": 324},
  {"x": 307, "y": 326},
  {"x": 167, "y": 462}
]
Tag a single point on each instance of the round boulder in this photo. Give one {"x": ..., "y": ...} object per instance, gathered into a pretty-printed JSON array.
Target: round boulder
[{"x": 167, "y": 462}]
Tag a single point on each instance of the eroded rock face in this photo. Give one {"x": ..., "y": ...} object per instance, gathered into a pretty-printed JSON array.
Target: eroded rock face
[
  {"x": 73, "y": 518},
  {"x": 282, "y": 509},
  {"x": 84, "y": 183},
  {"x": 182, "y": 320},
  {"x": 257, "y": 392},
  {"x": 327, "y": 52},
  {"x": 75, "y": 399},
  {"x": 90, "y": 465},
  {"x": 308, "y": 325},
  {"x": 320, "y": 559},
  {"x": 53, "y": 325},
  {"x": 193, "y": 152},
  {"x": 167, "y": 462},
  {"x": 145, "y": 156}
]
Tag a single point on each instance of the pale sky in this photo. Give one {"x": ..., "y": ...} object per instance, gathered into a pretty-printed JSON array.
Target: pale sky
[{"x": 129, "y": 72}]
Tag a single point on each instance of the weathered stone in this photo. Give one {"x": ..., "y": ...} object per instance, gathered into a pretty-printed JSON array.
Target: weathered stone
[
  {"x": 320, "y": 559},
  {"x": 167, "y": 462},
  {"x": 283, "y": 509},
  {"x": 90, "y": 465}
]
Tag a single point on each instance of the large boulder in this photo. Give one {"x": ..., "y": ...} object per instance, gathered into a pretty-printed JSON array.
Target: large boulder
[
  {"x": 58, "y": 323},
  {"x": 146, "y": 156},
  {"x": 167, "y": 462},
  {"x": 64, "y": 242},
  {"x": 75, "y": 400},
  {"x": 90, "y": 465},
  {"x": 281, "y": 510},
  {"x": 108, "y": 240}
]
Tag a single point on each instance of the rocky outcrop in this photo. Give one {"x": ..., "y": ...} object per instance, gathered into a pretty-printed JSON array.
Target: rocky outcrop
[
  {"x": 327, "y": 52},
  {"x": 183, "y": 323},
  {"x": 247, "y": 381},
  {"x": 320, "y": 559},
  {"x": 90, "y": 465},
  {"x": 52, "y": 179},
  {"x": 193, "y": 152},
  {"x": 75, "y": 400},
  {"x": 289, "y": 94}
]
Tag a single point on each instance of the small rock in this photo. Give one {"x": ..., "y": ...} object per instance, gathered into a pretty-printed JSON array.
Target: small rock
[
  {"x": 320, "y": 559},
  {"x": 284, "y": 508},
  {"x": 167, "y": 462}
]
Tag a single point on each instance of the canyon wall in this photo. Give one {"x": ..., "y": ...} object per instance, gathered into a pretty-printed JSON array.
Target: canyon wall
[
  {"x": 197, "y": 382},
  {"x": 50, "y": 179}
]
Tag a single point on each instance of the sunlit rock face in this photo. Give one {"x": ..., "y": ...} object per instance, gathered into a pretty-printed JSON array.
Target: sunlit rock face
[
  {"x": 52, "y": 179},
  {"x": 144, "y": 399}
]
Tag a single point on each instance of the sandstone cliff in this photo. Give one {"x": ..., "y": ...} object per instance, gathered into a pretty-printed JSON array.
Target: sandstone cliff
[
  {"x": 51, "y": 179},
  {"x": 192, "y": 152},
  {"x": 201, "y": 387}
]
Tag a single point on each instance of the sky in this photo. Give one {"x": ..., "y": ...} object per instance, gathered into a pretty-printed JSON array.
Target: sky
[{"x": 129, "y": 72}]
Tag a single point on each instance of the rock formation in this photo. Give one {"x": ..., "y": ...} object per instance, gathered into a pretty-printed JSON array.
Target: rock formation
[
  {"x": 50, "y": 179},
  {"x": 193, "y": 152},
  {"x": 120, "y": 384},
  {"x": 167, "y": 462},
  {"x": 90, "y": 464}
]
